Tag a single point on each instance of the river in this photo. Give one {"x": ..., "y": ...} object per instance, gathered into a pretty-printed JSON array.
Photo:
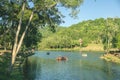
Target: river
[{"x": 42, "y": 66}]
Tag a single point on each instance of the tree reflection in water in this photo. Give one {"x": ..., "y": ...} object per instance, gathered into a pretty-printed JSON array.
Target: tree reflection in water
[
  {"x": 44, "y": 67},
  {"x": 29, "y": 69}
]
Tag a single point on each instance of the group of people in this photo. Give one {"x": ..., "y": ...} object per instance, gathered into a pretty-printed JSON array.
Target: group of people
[{"x": 59, "y": 58}]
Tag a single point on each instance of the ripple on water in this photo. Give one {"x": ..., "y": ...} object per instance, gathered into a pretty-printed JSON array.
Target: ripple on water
[{"x": 45, "y": 67}]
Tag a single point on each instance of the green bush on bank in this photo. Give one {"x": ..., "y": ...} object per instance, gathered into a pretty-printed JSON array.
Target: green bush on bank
[{"x": 4, "y": 66}]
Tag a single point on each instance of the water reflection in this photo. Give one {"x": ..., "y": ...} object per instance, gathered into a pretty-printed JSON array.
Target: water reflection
[
  {"x": 30, "y": 68},
  {"x": 45, "y": 67}
]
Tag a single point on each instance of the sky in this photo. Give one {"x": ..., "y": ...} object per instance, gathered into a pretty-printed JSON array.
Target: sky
[{"x": 91, "y": 10}]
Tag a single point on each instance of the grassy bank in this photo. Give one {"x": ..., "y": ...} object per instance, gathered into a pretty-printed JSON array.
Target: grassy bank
[
  {"x": 5, "y": 60},
  {"x": 90, "y": 47},
  {"x": 93, "y": 47},
  {"x": 111, "y": 58}
]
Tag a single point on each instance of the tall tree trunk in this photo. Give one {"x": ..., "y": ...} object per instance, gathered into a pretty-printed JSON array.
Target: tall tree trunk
[
  {"x": 16, "y": 37},
  {"x": 23, "y": 35},
  {"x": 21, "y": 39}
]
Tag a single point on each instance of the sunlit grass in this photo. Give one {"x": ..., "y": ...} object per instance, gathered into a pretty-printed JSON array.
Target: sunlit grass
[
  {"x": 111, "y": 58},
  {"x": 93, "y": 47},
  {"x": 90, "y": 47}
]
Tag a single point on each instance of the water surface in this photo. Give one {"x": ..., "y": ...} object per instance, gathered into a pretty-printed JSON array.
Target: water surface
[{"x": 45, "y": 67}]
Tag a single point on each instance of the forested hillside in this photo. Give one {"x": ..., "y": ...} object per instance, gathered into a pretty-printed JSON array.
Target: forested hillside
[{"x": 98, "y": 31}]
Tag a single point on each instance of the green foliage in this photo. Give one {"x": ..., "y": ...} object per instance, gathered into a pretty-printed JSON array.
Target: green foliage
[
  {"x": 45, "y": 14},
  {"x": 92, "y": 31},
  {"x": 85, "y": 42},
  {"x": 71, "y": 3},
  {"x": 118, "y": 41},
  {"x": 111, "y": 29},
  {"x": 56, "y": 42},
  {"x": 32, "y": 38},
  {"x": 5, "y": 37},
  {"x": 4, "y": 66},
  {"x": 18, "y": 27}
]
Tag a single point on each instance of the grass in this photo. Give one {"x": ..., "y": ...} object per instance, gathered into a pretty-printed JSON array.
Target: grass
[
  {"x": 93, "y": 47},
  {"x": 111, "y": 58},
  {"x": 90, "y": 47},
  {"x": 4, "y": 65}
]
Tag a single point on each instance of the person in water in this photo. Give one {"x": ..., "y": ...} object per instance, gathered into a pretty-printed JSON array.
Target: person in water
[
  {"x": 61, "y": 58},
  {"x": 48, "y": 53}
]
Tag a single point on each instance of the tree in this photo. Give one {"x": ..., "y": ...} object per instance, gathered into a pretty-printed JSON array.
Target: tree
[
  {"x": 22, "y": 15},
  {"x": 92, "y": 31},
  {"x": 118, "y": 41},
  {"x": 110, "y": 31}
]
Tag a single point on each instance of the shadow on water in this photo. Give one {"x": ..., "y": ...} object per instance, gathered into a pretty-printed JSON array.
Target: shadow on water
[
  {"x": 29, "y": 69},
  {"x": 45, "y": 67}
]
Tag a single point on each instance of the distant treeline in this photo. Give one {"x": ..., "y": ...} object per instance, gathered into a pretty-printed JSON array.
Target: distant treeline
[{"x": 98, "y": 31}]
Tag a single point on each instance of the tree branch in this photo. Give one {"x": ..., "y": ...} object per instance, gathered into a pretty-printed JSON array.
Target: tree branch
[
  {"x": 23, "y": 35},
  {"x": 17, "y": 34}
]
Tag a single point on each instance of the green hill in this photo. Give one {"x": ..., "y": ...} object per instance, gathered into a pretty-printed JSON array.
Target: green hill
[{"x": 99, "y": 31}]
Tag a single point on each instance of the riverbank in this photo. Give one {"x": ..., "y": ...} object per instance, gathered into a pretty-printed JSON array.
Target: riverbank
[
  {"x": 111, "y": 58},
  {"x": 5, "y": 60},
  {"x": 90, "y": 47}
]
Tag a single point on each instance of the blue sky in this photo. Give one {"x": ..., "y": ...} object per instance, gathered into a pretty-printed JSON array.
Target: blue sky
[{"x": 91, "y": 9}]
